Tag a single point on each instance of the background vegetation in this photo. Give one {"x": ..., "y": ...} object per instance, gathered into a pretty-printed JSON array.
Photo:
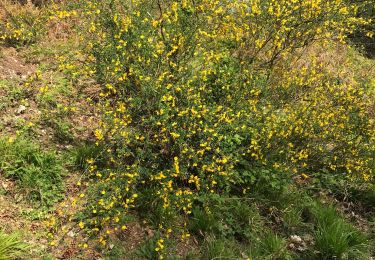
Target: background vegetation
[{"x": 190, "y": 129}]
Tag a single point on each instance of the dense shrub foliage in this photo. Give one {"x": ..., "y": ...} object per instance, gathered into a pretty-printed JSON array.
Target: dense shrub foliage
[
  {"x": 211, "y": 97},
  {"x": 363, "y": 35}
]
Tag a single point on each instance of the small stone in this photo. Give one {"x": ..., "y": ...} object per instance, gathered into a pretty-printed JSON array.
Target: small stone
[
  {"x": 5, "y": 186},
  {"x": 21, "y": 109},
  {"x": 296, "y": 239},
  {"x": 18, "y": 197},
  {"x": 71, "y": 233}
]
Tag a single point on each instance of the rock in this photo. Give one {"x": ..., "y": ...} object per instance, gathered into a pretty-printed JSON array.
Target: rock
[
  {"x": 296, "y": 239},
  {"x": 18, "y": 197},
  {"x": 71, "y": 233},
  {"x": 21, "y": 109},
  {"x": 5, "y": 186},
  {"x": 297, "y": 243}
]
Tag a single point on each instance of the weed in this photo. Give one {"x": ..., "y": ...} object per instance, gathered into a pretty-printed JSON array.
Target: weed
[
  {"x": 50, "y": 95},
  {"x": 226, "y": 217},
  {"x": 364, "y": 194},
  {"x": 16, "y": 93},
  {"x": 274, "y": 246},
  {"x": 202, "y": 222},
  {"x": 268, "y": 245}
]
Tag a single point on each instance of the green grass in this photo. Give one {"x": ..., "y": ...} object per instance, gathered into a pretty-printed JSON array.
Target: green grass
[
  {"x": 11, "y": 247},
  {"x": 60, "y": 89},
  {"x": 38, "y": 173},
  {"x": 235, "y": 228},
  {"x": 219, "y": 248},
  {"x": 263, "y": 231},
  {"x": 270, "y": 246},
  {"x": 266, "y": 246},
  {"x": 335, "y": 238},
  {"x": 292, "y": 218}
]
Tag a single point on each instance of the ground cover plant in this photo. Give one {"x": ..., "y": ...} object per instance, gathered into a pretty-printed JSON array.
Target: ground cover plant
[{"x": 218, "y": 129}]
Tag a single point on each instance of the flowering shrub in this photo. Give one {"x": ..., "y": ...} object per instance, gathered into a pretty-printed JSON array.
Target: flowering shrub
[{"x": 203, "y": 97}]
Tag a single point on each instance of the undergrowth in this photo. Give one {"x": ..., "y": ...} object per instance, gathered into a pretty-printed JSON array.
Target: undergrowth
[{"x": 38, "y": 173}]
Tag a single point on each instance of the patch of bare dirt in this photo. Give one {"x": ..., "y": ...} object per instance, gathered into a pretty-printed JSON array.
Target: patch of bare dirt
[{"x": 13, "y": 66}]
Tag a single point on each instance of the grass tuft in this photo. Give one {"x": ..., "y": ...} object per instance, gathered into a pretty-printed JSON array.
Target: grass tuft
[
  {"x": 335, "y": 238},
  {"x": 38, "y": 173},
  {"x": 11, "y": 247}
]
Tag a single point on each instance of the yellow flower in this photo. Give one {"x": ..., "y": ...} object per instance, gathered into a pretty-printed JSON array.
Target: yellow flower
[
  {"x": 99, "y": 134},
  {"x": 81, "y": 225}
]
